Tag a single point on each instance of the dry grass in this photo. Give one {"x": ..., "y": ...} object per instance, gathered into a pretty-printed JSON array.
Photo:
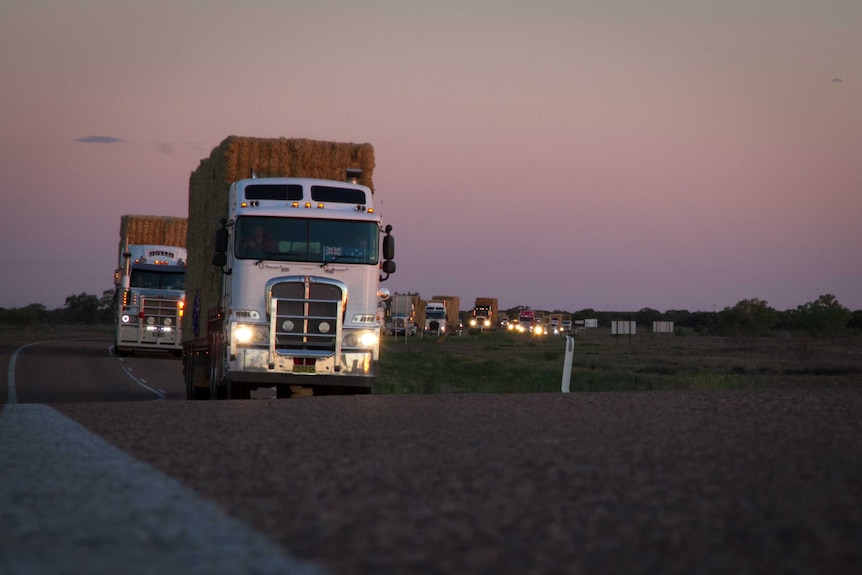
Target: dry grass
[{"x": 505, "y": 362}]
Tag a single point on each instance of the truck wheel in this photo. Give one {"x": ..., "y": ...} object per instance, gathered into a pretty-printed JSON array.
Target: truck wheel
[
  {"x": 218, "y": 391},
  {"x": 237, "y": 389},
  {"x": 188, "y": 371},
  {"x": 282, "y": 391}
]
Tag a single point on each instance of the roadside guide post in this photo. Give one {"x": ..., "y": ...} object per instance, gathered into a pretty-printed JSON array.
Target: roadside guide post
[{"x": 567, "y": 365}]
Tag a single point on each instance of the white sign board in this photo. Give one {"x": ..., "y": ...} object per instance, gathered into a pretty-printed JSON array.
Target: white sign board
[
  {"x": 662, "y": 327},
  {"x": 591, "y": 323},
  {"x": 623, "y": 327}
]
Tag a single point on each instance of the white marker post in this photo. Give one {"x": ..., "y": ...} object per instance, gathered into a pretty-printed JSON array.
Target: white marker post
[{"x": 567, "y": 366}]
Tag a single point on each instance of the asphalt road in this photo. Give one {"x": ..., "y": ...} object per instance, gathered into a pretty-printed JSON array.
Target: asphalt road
[{"x": 763, "y": 481}]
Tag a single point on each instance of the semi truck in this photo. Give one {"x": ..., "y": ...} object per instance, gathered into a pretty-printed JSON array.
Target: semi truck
[
  {"x": 402, "y": 313},
  {"x": 285, "y": 271},
  {"x": 435, "y": 317},
  {"x": 485, "y": 314},
  {"x": 149, "y": 281},
  {"x": 453, "y": 311},
  {"x": 526, "y": 321}
]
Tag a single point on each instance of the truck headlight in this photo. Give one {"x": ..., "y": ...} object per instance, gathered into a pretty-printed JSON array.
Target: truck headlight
[
  {"x": 360, "y": 339},
  {"x": 245, "y": 333}
]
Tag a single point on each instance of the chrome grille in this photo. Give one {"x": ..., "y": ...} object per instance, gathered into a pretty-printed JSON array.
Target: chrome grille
[{"x": 307, "y": 314}]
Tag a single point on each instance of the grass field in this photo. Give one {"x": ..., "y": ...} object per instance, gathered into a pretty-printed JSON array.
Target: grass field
[{"x": 504, "y": 362}]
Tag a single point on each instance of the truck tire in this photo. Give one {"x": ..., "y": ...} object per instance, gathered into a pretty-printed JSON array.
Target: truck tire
[
  {"x": 237, "y": 389},
  {"x": 218, "y": 391}
]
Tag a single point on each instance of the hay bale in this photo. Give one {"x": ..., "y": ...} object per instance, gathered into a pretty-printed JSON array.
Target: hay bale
[
  {"x": 153, "y": 230},
  {"x": 236, "y": 158}
]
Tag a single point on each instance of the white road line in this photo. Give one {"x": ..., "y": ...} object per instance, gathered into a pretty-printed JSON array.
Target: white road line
[
  {"x": 10, "y": 373},
  {"x": 140, "y": 382},
  {"x": 73, "y": 503}
]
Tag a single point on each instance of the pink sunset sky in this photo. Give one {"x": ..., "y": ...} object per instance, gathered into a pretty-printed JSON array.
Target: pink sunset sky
[{"x": 607, "y": 154}]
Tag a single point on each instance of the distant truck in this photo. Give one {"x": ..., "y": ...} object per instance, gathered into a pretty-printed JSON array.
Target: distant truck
[
  {"x": 485, "y": 314},
  {"x": 435, "y": 317},
  {"x": 504, "y": 320},
  {"x": 402, "y": 313},
  {"x": 285, "y": 270},
  {"x": 526, "y": 320},
  {"x": 149, "y": 298},
  {"x": 560, "y": 323},
  {"x": 453, "y": 311}
]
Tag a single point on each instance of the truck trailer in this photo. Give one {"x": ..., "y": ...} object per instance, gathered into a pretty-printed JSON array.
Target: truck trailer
[
  {"x": 285, "y": 270},
  {"x": 149, "y": 281}
]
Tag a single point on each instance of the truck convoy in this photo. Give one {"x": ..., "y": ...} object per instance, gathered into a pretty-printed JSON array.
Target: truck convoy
[
  {"x": 149, "y": 283},
  {"x": 485, "y": 314},
  {"x": 285, "y": 270}
]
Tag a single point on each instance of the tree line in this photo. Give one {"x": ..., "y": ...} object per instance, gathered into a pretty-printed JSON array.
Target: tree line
[
  {"x": 823, "y": 317},
  {"x": 80, "y": 309}
]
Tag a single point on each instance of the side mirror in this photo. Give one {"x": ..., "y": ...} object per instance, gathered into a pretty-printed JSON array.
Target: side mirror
[
  {"x": 221, "y": 240},
  {"x": 388, "y": 266},
  {"x": 221, "y": 244},
  {"x": 388, "y": 247}
]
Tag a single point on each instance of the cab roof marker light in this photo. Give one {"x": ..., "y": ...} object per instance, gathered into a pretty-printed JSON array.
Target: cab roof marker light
[
  {"x": 294, "y": 205},
  {"x": 320, "y": 206},
  {"x": 307, "y": 204}
]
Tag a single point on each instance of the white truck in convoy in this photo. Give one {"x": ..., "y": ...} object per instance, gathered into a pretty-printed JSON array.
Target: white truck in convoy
[
  {"x": 435, "y": 317},
  {"x": 298, "y": 265},
  {"x": 149, "y": 298}
]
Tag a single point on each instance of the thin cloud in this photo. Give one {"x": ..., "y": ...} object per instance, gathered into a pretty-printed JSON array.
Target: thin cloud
[
  {"x": 99, "y": 140},
  {"x": 837, "y": 80},
  {"x": 166, "y": 148}
]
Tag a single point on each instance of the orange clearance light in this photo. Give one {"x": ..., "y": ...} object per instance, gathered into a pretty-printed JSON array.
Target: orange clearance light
[
  {"x": 370, "y": 210},
  {"x": 307, "y": 204},
  {"x": 320, "y": 206},
  {"x": 295, "y": 204},
  {"x": 243, "y": 204}
]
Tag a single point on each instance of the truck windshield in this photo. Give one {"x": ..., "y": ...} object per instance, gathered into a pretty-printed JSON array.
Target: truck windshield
[
  {"x": 148, "y": 279},
  {"x": 434, "y": 313},
  {"x": 306, "y": 240}
]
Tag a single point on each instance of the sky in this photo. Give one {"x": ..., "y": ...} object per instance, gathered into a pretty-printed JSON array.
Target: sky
[{"x": 563, "y": 155}]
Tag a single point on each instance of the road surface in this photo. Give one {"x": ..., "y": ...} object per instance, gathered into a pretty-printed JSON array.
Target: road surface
[{"x": 766, "y": 481}]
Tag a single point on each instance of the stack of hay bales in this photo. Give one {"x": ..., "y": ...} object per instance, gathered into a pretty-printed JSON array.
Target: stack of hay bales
[
  {"x": 153, "y": 230},
  {"x": 237, "y": 158}
]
